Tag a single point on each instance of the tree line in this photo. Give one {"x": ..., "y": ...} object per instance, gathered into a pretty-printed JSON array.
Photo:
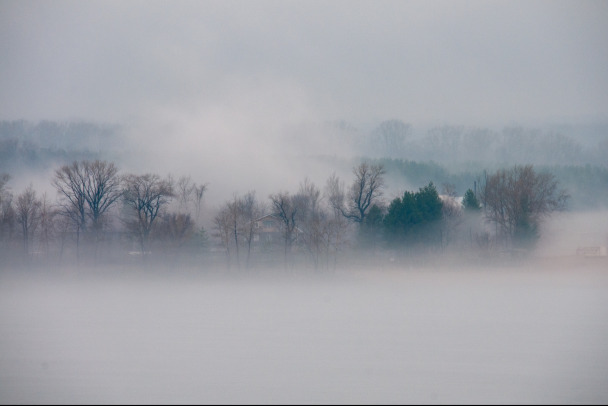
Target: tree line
[
  {"x": 100, "y": 215},
  {"x": 446, "y": 154}
]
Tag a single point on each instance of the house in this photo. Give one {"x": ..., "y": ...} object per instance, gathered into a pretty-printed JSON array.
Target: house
[
  {"x": 590, "y": 244},
  {"x": 597, "y": 251},
  {"x": 269, "y": 231}
]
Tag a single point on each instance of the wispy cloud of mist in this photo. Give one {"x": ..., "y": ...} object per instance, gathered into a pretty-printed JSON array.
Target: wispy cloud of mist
[
  {"x": 564, "y": 233},
  {"x": 246, "y": 141},
  {"x": 224, "y": 90}
]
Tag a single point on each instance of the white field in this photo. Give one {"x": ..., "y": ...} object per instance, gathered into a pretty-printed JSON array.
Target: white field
[{"x": 527, "y": 334}]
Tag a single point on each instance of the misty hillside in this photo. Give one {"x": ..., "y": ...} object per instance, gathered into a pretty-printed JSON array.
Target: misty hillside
[
  {"x": 446, "y": 155},
  {"x": 40, "y": 145}
]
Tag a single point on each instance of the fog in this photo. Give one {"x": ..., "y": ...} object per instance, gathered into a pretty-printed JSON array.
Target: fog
[
  {"x": 563, "y": 233},
  {"x": 259, "y": 96},
  {"x": 221, "y": 86},
  {"x": 401, "y": 329},
  {"x": 225, "y": 90},
  {"x": 533, "y": 334}
]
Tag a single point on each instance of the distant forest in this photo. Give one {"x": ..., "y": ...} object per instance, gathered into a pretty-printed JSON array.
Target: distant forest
[
  {"x": 445, "y": 155},
  {"x": 475, "y": 193},
  {"x": 26, "y": 145}
]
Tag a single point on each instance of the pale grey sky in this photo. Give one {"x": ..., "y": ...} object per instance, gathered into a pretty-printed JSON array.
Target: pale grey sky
[
  {"x": 470, "y": 62},
  {"x": 231, "y": 91}
]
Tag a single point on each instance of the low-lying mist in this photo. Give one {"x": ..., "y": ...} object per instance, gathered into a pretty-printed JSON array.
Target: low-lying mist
[{"x": 534, "y": 333}]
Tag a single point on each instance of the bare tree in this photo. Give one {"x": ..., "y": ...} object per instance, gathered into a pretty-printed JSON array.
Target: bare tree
[
  {"x": 145, "y": 196},
  {"x": 236, "y": 223},
  {"x": 251, "y": 210},
  {"x": 4, "y": 178},
  {"x": 312, "y": 220},
  {"x": 388, "y": 139},
  {"x": 87, "y": 189},
  {"x": 69, "y": 181},
  {"x": 287, "y": 208},
  {"x": 189, "y": 196},
  {"x": 518, "y": 199},
  {"x": 48, "y": 228},
  {"x": 222, "y": 223},
  {"x": 102, "y": 189},
  {"x": 184, "y": 189},
  {"x": 334, "y": 192},
  {"x": 7, "y": 211},
  {"x": 175, "y": 230},
  {"x": 364, "y": 192},
  {"x": 337, "y": 224},
  {"x": 235, "y": 226},
  {"x": 198, "y": 192},
  {"x": 28, "y": 215}
]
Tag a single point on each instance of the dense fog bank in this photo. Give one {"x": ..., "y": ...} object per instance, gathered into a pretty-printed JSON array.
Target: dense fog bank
[{"x": 527, "y": 334}]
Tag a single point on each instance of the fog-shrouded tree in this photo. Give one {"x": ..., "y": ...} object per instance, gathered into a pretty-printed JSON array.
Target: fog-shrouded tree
[
  {"x": 198, "y": 193},
  {"x": 518, "y": 199},
  {"x": 337, "y": 227},
  {"x": 474, "y": 233},
  {"x": 87, "y": 191},
  {"x": 175, "y": 230},
  {"x": 47, "y": 230},
  {"x": 312, "y": 220},
  {"x": 69, "y": 181},
  {"x": 7, "y": 223},
  {"x": 145, "y": 197},
  {"x": 389, "y": 138},
  {"x": 102, "y": 190},
  {"x": 7, "y": 212},
  {"x": 470, "y": 202},
  {"x": 235, "y": 225},
  {"x": 222, "y": 222},
  {"x": 189, "y": 196},
  {"x": 372, "y": 228},
  {"x": 251, "y": 210},
  {"x": 4, "y": 178},
  {"x": 366, "y": 189},
  {"x": 27, "y": 207},
  {"x": 287, "y": 208},
  {"x": 335, "y": 193},
  {"x": 414, "y": 219},
  {"x": 184, "y": 191},
  {"x": 401, "y": 217}
]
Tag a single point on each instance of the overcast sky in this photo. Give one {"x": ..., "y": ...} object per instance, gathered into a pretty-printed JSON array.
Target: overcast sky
[
  {"x": 227, "y": 88},
  {"x": 455, "y": 61}
]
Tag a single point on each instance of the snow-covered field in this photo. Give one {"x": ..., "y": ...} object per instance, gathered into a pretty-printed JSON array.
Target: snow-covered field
[{"x": 507, "y": 335}]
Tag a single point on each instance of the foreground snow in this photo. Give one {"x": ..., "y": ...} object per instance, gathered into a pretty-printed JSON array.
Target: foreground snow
[{"x": 509, "y": 335}]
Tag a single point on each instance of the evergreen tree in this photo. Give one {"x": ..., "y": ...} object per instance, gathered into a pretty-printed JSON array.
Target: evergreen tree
[
  {"x": 401, "y": 217},
  {"x": 429, "y": 204},
  {"x": 470, "y": 202},
  {"x": 413, "y": 218},
  {"x": 371, "y": 229}
]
